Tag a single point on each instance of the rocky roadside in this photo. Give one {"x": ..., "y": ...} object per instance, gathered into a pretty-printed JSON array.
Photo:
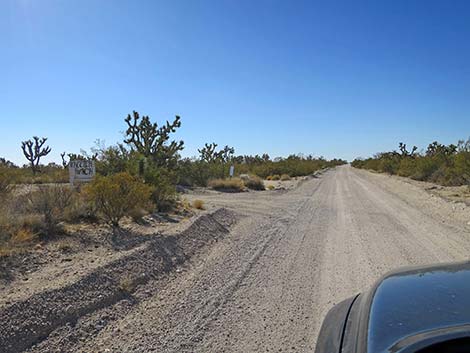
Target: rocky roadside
[{"x": 80, "y": 309}]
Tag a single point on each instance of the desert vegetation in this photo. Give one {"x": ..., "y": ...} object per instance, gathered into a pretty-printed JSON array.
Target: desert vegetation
[
  {"x": 447, "y": 165},
  {"x": 137, "y": 176}
]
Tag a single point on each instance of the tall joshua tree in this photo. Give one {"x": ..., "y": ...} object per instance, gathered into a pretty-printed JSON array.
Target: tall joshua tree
[
  {"x": 153, "y": 141},
  {"x": 33, "y": 150}
]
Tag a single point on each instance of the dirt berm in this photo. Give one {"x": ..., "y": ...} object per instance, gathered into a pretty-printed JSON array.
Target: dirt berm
[{"x": 27, "y": 323}]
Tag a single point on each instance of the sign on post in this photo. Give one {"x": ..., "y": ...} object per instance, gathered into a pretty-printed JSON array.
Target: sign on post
[
  {"x": 81, "y": 171},
  {"x": 232, "y": 171}
]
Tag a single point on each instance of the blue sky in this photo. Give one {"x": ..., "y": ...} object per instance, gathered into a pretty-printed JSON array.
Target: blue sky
[{"x": 333, "y": 78}]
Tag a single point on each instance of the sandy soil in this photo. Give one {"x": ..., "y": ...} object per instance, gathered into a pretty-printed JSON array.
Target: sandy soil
[
  {"x": 70, "y": 257},
  {"x": 267, "y": 284}
]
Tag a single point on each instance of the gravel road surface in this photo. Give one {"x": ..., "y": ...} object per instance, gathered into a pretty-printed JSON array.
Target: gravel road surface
[{"x": 267, "y": 286}]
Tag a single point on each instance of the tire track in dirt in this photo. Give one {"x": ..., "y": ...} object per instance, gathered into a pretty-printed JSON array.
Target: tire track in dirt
[{"x": 267, "y": 285}]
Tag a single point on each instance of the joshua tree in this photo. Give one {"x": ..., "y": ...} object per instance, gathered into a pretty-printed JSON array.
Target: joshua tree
[
  {"x": 33, "y": 150},
  {"x": 64, "y": 161},
  {"x": 209, "y": 154},
  {"x": 151, "y": 140},
  {"x": 405, "y": 152}
]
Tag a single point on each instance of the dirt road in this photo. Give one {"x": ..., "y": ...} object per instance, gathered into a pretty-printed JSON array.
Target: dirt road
[{"x": 267, "y": 286}]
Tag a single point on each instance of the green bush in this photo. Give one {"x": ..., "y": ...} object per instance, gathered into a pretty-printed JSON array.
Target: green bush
[
  {"x": 112, "y": 160},
  {"x": 118, "y": 195},
  {"x": 425, "y": 168},
  {"x": 163, "y": 185},
  {"x": 407, "y": 167},
  {"x": 389, "y": 165}
]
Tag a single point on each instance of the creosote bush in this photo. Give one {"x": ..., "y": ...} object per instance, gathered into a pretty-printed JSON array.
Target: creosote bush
[{"x": 118, "y": 195}]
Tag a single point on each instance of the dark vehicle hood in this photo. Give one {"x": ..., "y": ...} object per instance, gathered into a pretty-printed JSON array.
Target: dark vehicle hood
[
  {"x": 405, "y": 311},
  {"x": 410, "y": 304}
]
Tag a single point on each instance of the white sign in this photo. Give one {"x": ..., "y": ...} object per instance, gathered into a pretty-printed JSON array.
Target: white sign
[
  {"x": 81, "y": 171},
  {"x": 232, "y": 171}
]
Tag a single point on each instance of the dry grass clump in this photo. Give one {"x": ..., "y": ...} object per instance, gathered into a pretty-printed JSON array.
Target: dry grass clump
[
  {"x": 285, "y": 177},
  {"x": 254, "y": 183},
  {"x": 227, "y": 185},
  {"x": 127, "y": 284},
  {"x": 198, "y": 204},
  {"x": 271, "y": 187},
  {"x": 18, "y": 233},
  {"x": 276, "y": 177}
]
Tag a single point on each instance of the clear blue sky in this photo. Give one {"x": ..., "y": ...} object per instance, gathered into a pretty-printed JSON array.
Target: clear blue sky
[{"x": 333, "y": 78}]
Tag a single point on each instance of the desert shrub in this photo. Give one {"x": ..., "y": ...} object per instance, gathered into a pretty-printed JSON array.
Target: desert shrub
[
  {"x": 50, "y": 201},
  {"x": 227, "y": 185},
  {"x": 112, "y": 160},
  {"x": 389, "y": 165},
  {"x": 285, "y": 177},
  {"x": 5, "y": 225},
  {"x": 407, "y": 167},
  {"x": 49, "y": 174},
  {"x": 164, "y": 189},
  {"x": 118, "y": 195},
  {"x": 18, "y": 231},
  {"x": 442, "y": 164},
  {"x": 80, "y": 209},
  {"x": 194, "y": 172},
  {"x": 23, "y": 235},
  {"x": 271, "y": 187},
  {"x": 216, "y": 165},
  {"x": 425, "y": 168},
  {"x": 254, "y": 183},
  {"x": 4, "y": 184},
  {"x": 198, "y": 204},
  {"x": 276, "y": 177},
  {"x": 462, "y": 166}
]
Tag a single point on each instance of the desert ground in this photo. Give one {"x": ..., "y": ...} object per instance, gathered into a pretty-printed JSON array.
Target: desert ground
[{"x": 254, "y": 272}]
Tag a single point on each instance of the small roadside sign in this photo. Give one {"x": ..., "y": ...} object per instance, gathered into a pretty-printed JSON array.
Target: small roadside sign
[
  {"x": 81, "y": 171},
  {"x": 232, "y": 171}
]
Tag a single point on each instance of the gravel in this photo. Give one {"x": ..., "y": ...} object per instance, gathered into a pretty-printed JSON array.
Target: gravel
[{"x": 265, "y": 282}]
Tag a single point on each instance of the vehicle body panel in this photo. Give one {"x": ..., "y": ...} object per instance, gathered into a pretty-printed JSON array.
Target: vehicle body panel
[{"x": 405, "y": 311}]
